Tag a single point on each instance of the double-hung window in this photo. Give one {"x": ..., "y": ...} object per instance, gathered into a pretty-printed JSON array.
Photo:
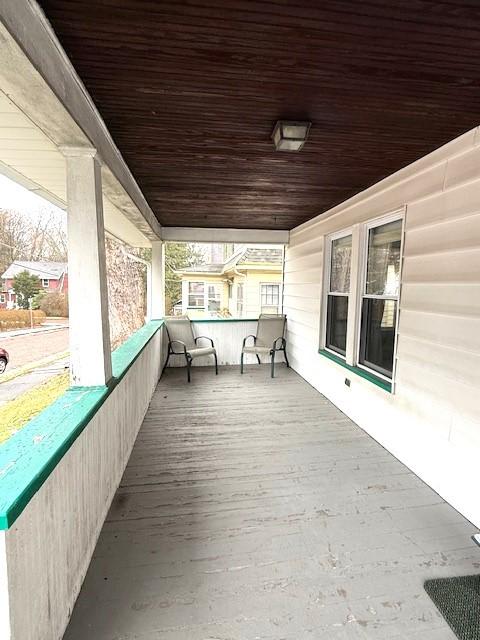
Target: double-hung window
[
  {"x": 338, "y": 290},
  {"x": 214, "y": 298},
  {"x": 240, "y": 300},
  {"x": 204, "y": 296},
  {"x": 196, "y": 295},
  {"x": 381, "y": 288},
  {"x": 270, "y": 298},
  {"x": 362, "y": 278}
]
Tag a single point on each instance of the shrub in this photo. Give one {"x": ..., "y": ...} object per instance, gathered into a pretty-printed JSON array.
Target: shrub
[
  {"x": 19, "y": 318},
  {"x": 54, "y": 304}
]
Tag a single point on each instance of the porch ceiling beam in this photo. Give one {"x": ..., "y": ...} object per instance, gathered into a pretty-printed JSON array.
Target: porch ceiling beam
[
  {"x": 39, "y": 78},
  {"x": 199, "y": 234}
]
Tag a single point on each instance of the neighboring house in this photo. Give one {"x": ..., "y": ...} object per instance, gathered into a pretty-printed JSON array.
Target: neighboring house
[
  {"x": 246, "y": 284},
  {"x": 53, "y": 278}
]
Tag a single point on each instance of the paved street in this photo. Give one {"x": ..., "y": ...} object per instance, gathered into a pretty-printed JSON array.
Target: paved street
[
  {"x": 31, "y": 348},
  {"x": 13, "y": 388}
]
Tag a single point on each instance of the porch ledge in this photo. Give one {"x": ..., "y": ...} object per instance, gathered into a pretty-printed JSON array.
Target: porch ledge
[
  {"x": 371, "y": 377},
  {"x": 197, "y": 320},
  {"x": 29, "y": 457}
]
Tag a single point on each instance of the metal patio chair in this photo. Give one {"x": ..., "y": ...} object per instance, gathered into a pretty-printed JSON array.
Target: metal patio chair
[
  {"x": 270, "y": 338},
  {"x": 182, "y": 342}
]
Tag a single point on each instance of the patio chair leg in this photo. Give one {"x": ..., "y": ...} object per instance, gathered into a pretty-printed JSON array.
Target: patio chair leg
[
  {"x": 189, "y": 363},
  {"x": 216, "y": 364},
  {"x": 286, "y": 359},
  {"x": 166, "y": 361},
  {"x": 241, "y": 363},
  {"x": 258, "y": 359},
  {"x": 273, "y": 364}
]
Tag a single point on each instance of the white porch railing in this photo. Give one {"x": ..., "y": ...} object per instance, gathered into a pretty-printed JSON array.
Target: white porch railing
[
  {"x": 59, "y": 475},
  {"x": 227, "y": 335}
]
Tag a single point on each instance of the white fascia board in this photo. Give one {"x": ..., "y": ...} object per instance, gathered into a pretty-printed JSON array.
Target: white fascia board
[
  {"x": 39, "y": 78},
  {"x": 240, "y": 236},
  {"x": 32, "y": 186}
]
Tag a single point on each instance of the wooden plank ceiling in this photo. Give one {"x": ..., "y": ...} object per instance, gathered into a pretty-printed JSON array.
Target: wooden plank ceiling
[{"x": 190, "y": 91}]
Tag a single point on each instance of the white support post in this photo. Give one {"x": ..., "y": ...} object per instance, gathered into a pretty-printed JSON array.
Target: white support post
[
  {"x": 157, "y": 293},
  {"x": 90, "y": 358}
]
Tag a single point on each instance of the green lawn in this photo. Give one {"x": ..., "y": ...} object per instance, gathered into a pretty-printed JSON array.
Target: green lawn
[{"x": 16, "y": 413}]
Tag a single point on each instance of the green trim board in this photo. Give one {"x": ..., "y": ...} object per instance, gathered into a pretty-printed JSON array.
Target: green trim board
[
  {"x": 28, "y": 458},
  {"x": 371, "y": 377},
  {"x": 195, "y": 320}
]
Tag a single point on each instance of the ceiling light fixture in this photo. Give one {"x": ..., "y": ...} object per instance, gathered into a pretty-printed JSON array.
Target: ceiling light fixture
[{"x": 290, "y": 135}]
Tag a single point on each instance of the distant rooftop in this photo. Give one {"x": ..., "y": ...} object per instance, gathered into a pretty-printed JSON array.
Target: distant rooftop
[
  {"x": 44, "y": 269},
  {"x": 245, "y": 255}
]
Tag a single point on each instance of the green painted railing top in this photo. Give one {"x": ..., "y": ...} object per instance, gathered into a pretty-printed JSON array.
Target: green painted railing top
[
  {"x": 29, "y": 457},
  {"x": 366, "y": 375},
  {"x": 195, "y": 320}
]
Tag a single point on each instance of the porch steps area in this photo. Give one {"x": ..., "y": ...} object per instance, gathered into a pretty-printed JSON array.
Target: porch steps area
[{"x": 253, "y": 508}]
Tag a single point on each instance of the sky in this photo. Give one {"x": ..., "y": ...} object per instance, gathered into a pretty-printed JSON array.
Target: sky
[{"x": 14, "y": 196}]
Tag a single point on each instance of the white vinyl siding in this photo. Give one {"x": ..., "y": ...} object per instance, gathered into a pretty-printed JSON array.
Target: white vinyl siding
[{"x": 432, "y": 420}]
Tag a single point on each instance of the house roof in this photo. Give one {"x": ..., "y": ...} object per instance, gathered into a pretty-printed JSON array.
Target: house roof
[
  {"x": 204, "y": 268},
  {"x": 44, "y": 269},
  {"x": 245, "y": 255},
  {"x": 257, "y": 255}
]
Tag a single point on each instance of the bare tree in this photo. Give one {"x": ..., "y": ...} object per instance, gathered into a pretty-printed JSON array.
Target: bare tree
[{"x": 25, "y": 238}]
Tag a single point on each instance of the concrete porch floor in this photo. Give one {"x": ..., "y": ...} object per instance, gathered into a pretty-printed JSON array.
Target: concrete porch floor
[{"x": 252, "y": 508}]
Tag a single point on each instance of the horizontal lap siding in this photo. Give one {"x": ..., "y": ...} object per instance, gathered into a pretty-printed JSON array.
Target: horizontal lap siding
[{"x": 432, "y": 421}]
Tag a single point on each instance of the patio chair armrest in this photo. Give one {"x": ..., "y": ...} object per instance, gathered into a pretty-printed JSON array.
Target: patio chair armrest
[
  {"x": 283, "y": 344},
  {"x": 179, "y": 342},
  {"x": 205, "y": 338},
  {"x": 247, "y": 337}
]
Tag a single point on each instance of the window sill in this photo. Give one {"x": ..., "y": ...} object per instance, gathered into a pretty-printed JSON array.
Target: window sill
[{"x": 371, "y": 377}]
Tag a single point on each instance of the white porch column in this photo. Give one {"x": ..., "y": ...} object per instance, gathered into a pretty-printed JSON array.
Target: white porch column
[
  {"x": 157, "y": 293},
  {"x": 90, "y": 359}
]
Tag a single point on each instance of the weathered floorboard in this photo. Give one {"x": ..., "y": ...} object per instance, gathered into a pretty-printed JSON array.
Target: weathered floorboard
[{"x": 253, "y": 508}]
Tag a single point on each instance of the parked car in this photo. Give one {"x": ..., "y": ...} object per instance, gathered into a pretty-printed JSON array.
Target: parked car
[{"x": 3, "y": 360}]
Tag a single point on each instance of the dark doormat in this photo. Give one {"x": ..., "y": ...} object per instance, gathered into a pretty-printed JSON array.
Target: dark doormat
[{"x": 458, "y": 600}]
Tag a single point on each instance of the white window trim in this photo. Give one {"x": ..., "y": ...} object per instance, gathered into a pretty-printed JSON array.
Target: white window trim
[
  {"x": 45, "y": 280},
  {"x": 187, "y": 288},
  {"x": 358, "y": 275},
  {"x": 327, "y": 268},
  {"x": 206, "y": 285},
  {"x": 276, "y": 284},
  {"x": 372, "y": 224}
]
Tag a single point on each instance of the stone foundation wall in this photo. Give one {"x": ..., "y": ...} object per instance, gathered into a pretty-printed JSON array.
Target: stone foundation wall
[{"x": 126, "y": 281}]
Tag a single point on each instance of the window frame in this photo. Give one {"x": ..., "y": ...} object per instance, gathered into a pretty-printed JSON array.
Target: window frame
[
  {"x": 206, "y": 295},
  {"x": 327, "y": 272},
  {"x": 358, "y": 278},
  {"x": 279, "y": 290},
  {"x": 217, "y": 296},
  {"x": 362, "y": 288},
  {"x": 45, "y": 280},
  {"x": 195, "y": 307},
  {"x": 240, "y": 301}
]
